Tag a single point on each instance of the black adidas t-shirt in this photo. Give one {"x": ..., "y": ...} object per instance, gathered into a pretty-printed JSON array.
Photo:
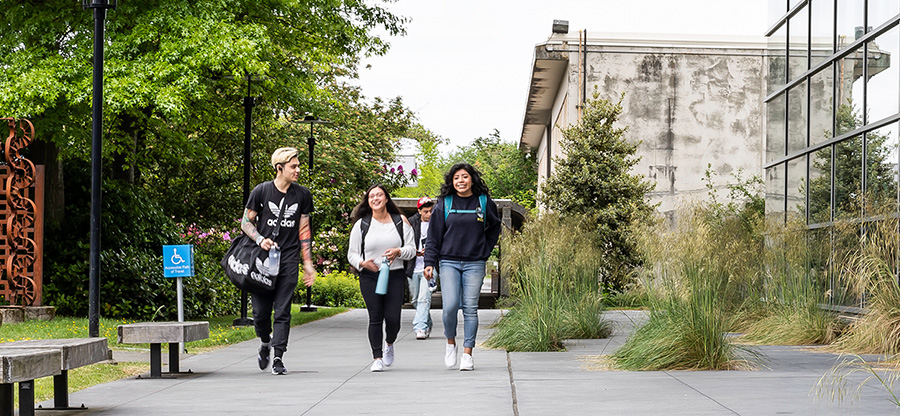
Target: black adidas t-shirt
[{"x": 267, "y": 201}]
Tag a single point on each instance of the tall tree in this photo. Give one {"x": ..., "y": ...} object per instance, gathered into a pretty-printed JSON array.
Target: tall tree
[
  {"x": 594, "y": 181},
  {"x": 173, "y": 73},
  {"x": 508, "y": 171}
]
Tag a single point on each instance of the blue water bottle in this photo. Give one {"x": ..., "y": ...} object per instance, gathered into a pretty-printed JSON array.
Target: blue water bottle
[{"x": 383, "y": 273}]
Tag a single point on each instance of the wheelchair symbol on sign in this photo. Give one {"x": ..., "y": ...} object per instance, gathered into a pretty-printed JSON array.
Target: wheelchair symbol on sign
[{"x": 176, "y": 259}]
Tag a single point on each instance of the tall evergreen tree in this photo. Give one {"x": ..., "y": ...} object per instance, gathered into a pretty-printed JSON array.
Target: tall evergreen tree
[{"x": 594, "y": 181}]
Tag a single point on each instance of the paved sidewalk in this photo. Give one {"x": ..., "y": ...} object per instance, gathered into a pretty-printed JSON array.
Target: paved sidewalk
[{"x": 329, "y": 375}]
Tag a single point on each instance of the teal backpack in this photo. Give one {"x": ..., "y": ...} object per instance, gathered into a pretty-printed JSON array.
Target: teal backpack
[{"x": 482, "y": 204}]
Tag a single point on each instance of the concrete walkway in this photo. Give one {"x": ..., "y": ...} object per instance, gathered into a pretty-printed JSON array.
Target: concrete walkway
[{"x": 329, "y": 375}]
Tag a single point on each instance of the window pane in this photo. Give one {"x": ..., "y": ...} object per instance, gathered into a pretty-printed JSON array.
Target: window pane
[
  {"x": 882, "y": 10},
  {"x": 820, "y": 186},
  {"x": 822, "y": 30},
  {"x": 849, "y": 92},
  {"x": 777, "y": 55},
  {"x": 775, "y": 194},
  {"x": 799, "y": 42},
  {"x": 849, "y": 21},
  {"x": 881, "y": 168},
  {"x": 777, "y": 9},
  {"x": 848, "y": 178},
  {"x": 775, "y": 128},
  {"x": 884, "y": 74},
  {"x": 797, "y": 111},
  {"x": 819, "y": 249},
  {"x": 821, "y": 104},
  {"x": 796, "y": 189}
]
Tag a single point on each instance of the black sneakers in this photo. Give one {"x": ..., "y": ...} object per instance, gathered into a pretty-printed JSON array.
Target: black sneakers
[
  {"x": 278, "y": 367},
  {"x": 263, "y": 357}
]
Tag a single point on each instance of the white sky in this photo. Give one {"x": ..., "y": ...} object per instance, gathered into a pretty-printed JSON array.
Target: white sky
[{"x": 464, "y": 65}]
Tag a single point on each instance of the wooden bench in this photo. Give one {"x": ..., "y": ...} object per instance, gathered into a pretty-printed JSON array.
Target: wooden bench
[
  {"x": 158, "y": 333},
  {"x": 23, "y": 366},
  {"x": 76, "y": 352}
]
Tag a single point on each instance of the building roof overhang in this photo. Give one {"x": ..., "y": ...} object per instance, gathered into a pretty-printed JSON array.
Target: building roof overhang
[{"x": 547, "y": 72}]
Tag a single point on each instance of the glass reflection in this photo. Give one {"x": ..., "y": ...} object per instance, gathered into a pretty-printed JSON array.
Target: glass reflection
[
  {"x": 797, "y": 113},
  {"x": 777, "y": 59},
  {"x": 849, "y": 92},
  {"x": 883, "y": 76},
  {"x": 821, "y": 31},
  {"x": 775, "y": 194},
  {"x": 820, "y": 186},
  {"x": 848, "y": 178},
  {"x": 881, "y": 169},
  {"x": 799, "y": 43},
  {"x": 849, "y": 22},
  {"x": 796, "y": 189},
  {"x": 775, "y": 128},
  {"x": 821, "y": 105},
  {"x": 882, "y": 10}
]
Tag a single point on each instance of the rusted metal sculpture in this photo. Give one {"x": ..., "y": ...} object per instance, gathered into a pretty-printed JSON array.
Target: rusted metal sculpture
[{"x": 21, "y": 222}]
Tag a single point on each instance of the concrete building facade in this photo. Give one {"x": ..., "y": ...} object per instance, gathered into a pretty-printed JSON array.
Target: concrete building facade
[{"x": 693, "y": 103}]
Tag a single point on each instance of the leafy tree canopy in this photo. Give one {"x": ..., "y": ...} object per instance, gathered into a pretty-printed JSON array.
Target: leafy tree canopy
[{"x": 508, "y": 171}]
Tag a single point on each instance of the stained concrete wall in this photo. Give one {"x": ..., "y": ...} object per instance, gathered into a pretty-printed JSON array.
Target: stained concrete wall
[{"x": 688, "y": 107}]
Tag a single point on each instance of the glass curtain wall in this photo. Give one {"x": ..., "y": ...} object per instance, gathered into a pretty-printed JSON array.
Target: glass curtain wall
[{"x": 833, "y": 119}]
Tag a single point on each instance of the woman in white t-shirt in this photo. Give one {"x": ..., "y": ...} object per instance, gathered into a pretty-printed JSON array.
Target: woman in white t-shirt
[{"x": 380, "y": 231}]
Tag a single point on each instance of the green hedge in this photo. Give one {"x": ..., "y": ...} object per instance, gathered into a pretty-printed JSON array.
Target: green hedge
[{"x": 336, "y": 289}]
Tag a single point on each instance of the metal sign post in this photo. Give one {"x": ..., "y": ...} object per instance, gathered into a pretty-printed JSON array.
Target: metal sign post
[{"x": 178, "y": 261}]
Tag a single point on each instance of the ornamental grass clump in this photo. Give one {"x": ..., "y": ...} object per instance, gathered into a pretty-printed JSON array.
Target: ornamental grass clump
[
  {"x": 695, "y": 275},
  {"x": 869, "y": 272},
  {"x": 784, "y": 306},
  {"x": 554, "y": 291}
]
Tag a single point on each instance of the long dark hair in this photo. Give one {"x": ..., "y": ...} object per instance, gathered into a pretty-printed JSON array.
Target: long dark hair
[
  {"x": 478, "y": 185},
  {"x": 363, "y": 209}
]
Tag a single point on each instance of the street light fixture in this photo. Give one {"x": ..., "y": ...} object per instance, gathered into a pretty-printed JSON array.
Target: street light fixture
[{"x": 311, "y": 142}]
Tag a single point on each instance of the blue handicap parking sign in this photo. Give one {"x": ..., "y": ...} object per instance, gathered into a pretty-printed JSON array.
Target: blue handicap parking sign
[{"x": 178, "y": 261}]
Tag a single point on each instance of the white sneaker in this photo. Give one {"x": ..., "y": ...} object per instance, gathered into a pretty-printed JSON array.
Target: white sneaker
[
  {"x": 420, "y": 334},
  {"x": 427, "y": 333},
  {"x": 466, "y": 362},
  {"x": 377, "y": 366},
  {"x": 450, "y": 356},
  {"x": 388, "y": 355}
]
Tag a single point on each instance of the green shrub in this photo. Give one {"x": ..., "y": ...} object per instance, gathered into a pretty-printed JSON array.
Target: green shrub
[
  {"x": 335, "y": 289},
  {"x": 554, "y": 291}
]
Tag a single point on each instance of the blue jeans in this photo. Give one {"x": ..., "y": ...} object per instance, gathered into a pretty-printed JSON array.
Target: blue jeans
[
  {"x": 461, "y": 285},
  {"x": 420, "y": 297}
]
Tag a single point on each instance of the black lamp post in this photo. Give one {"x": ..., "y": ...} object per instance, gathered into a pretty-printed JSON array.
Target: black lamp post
[
  {"x": 99, "y": 7},
  {"x": 311, "y": 143},
  {"x": 248, "y": 123}
]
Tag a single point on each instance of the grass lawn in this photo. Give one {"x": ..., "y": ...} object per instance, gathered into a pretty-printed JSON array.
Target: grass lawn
[{"x": 221, "y": 333}]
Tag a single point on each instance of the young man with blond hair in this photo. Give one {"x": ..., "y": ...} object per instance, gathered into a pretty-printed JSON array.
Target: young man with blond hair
[{"x": 285, "y": 200}]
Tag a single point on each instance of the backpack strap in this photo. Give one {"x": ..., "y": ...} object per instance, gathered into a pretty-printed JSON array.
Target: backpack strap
[
  {"x": 482, "y": 208},
  {"x": 364, "y": 229}
]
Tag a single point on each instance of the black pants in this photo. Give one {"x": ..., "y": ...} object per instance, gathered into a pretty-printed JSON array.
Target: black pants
[
  {"x": 383, "y": 309},
  {"x": 279, "y": 302}
]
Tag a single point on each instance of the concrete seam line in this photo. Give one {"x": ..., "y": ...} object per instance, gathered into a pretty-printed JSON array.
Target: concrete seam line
[
  {"x": 512, "y": 385},
  {"x": 334, "y": 390},
  {"x": 701, "y": 393}
]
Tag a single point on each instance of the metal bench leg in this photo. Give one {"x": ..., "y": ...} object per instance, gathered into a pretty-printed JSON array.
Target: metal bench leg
[
  {"x": 173, "y": 357},
  {"x": 6, "y": 400},
  {"x": 155, "y": 360},
  {"x": 26, "y": 398},
  {"x": 61, "y": 390}
]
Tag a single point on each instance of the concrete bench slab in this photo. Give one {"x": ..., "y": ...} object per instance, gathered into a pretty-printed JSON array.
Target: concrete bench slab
[
  {"x": 22, "y": 365},
  {"x": 158, "y": 333},
  {"x": 162, "y": 332},
  {"x": 76, "y": 352}
]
